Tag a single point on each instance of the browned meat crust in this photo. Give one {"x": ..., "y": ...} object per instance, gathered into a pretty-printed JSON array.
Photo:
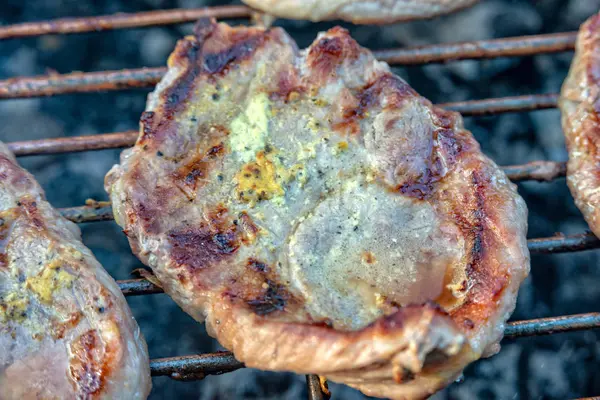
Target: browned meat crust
[
  {"x": 359, "y": 11},
  {"x": 579, "y": 105},
  {"x": 65, "y": 329},
  {"x": 319, "y": 214}
]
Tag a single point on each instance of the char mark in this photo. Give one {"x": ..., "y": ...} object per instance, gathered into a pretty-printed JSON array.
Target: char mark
[
  {"x": 218, "y": 62},
  {"x": 85, "y": 366},
  {"x": 199, "y": 248},
  {"x": 273, "y": 299}
]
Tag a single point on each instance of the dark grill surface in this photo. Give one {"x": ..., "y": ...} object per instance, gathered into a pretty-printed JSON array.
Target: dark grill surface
[{"x": 498, "y": 94}]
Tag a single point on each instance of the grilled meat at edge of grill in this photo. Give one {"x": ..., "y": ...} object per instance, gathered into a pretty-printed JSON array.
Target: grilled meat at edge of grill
[
  {"x": 319, "y": 214},
  {"x": 359, "y": 11},
  {"x": 66, "y": 331},
  {"x": 580, "y": 105}
]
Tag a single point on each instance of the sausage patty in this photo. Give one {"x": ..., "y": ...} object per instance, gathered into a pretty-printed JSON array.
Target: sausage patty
[
  {"x": 66, "y": 331},
  {"x": 579, "y": 104},
  {"x": 319, "y": 214}
]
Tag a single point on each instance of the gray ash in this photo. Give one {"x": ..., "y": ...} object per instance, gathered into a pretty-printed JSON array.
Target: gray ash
[{"x": 553, "y": 367}]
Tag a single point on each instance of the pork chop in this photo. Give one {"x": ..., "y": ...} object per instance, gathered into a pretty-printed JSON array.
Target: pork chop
[
  {"x": 66, "y": 331},
  {"x": 359, "y": 11},
  {"x": 579, "y": 104},
  {"x": 319, "y": 214}
]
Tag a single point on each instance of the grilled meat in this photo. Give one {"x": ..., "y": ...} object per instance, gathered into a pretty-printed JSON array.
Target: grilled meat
[
  {"x": 579, "y": 105},
  {"x": 66, "y": 331},
  {"x": 319, "y": 214},
  {"x": 359, "y": 11}
]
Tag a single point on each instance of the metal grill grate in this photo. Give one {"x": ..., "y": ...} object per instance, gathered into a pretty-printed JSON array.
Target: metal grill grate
[{"x": 198, "y": 366}]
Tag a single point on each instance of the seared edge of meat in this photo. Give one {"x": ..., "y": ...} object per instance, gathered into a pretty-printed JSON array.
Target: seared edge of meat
[
  {"x": 579, "y": 105},
  {"x": 65, "y": 328}
]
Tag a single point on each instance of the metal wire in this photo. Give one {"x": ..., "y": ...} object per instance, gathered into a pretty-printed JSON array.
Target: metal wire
[
  {"x": 548, "y": 326},
  {"x": 120, "y": 21},
  {"x": 79, "y": 82},
  {"x": 503, "y": 104},
  {"x": 549, "y": 245},
  {"x": 198, "y": 366},
  {"x": 505, "y": 47},
  {"x": 138, "y": 287},
  {"x": 314, "y": 388},
  {"x": 542, "y": 171},
  {"x": 87, "y": 213},
  {"x": 73, "y": 144},
  {"x": 84, "y": 82}
]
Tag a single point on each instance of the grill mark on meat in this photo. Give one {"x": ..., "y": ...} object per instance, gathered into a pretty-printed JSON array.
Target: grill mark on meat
[
  {"x": 287, "y": 83},
  {"x": 6, "y": 223},
  {"x": 368, "y": 98},
  {"x": 146, "y": 126},
  {"x": 328, "y": 53},
  {"x": 593, "y": 68},
  {"x": 29, "y": 206},
  {"x": 273, "y": 299},
  {"x": 218, "y": 62},
  {"x": 60, "y": 328},
  {"x": 248, "y": 228},
  {"x": 86, "y": 365},
  {"x": 146, "y": 208},
  {"x": 194, "y": 173},
  {"x": 257, "y": 265},
  {"x": 198, "y": 62},
  {"x": 443, "y": 157},
  {"x": 484, "y": 281},
  {"x": 198, "y": 248}
]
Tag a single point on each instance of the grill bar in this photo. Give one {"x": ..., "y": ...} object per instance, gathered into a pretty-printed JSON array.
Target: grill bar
[
  {"x": 138, "y": 287},
  {"x": 537, "y": 170},
  {"x": 79, "y": 82},
  {"x": 84, "y": 82},
  {"x": 74, "y": 144},
  {"x": 198, "y": 366},
  {"x": 506, "y": 47},
  {"x": 549, "y": 245},
  {"x": 88, "y": 213},
  {"x": 564, "y": 244},
  {"x": 120, "y": 21},
  {"x": 503, "y": 104},
  {"x": 548, "y": 326},
  {"x": 542, "y": 171},
  {"x": 314, "y": 388}
]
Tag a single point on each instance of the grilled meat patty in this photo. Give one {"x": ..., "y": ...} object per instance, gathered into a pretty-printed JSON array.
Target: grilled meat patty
[
  {"x": 359, "y": 11},
  {"x": 579, "y": 105},
  {"x": 319, "y": 214},
  {"x": 66, "y": 331}
]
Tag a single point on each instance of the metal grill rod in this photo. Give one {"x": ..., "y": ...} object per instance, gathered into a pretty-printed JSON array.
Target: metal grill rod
[
  {"x": 74, "y": 143},
  {"x": 314, "y": 388},
  {"x": 197, "y": 366},
  {"x": 494, "y": 48},
  {"x": 504, "y": 47},
  {"x": 537, "y": 170},
  {"x": 120, "y": 21},
  {"x": 549, "y": 245},
  {"x": 85, "y": 82},
  {"x": 544, "y": 170}
]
